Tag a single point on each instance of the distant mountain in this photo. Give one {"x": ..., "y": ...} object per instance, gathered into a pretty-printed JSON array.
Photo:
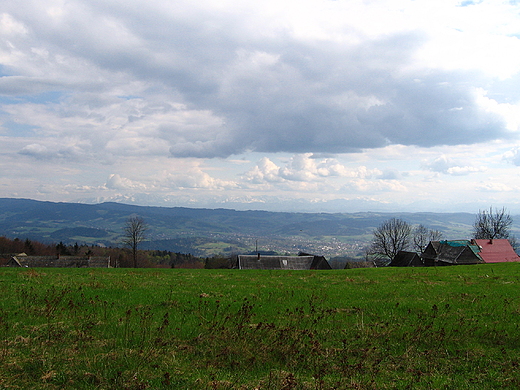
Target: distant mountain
[{"x": 210, "y": 231}]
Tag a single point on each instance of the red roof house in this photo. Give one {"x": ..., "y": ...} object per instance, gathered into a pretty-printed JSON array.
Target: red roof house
[{"x": 496, "y": 251}]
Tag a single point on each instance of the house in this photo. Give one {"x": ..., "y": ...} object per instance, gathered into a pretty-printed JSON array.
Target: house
[
  {"x": 406, "y": 259},
  {"x": 468, "y": 252},
  {"x": 5, "y": 258},
  {"x": 453, "y": 252},
  {"x": 319, "y": 262},
  {"x": 496, "y": 251},
  {"x": 275, "y": 262},
  {"x": 59, "y": 261}
]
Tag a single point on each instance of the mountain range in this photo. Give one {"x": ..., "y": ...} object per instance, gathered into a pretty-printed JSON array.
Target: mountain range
[{"x": 205, "y": 232}]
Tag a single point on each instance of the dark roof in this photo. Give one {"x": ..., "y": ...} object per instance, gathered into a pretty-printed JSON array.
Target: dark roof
[
  {"x": 496, "y": 251},
  {"x": 406, "y": 259},
  {"x": 62, "y": 261},
  {"x": 275, "y": 262},
  {"x": 319, "y": 262},
  {"x": 451, "y": 253}
]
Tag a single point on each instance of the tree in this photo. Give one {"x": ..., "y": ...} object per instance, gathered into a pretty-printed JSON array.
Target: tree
[
  {"x": 422, "y": 236},
  {"x": 390, "y": 237},
  {"x": 493, "y": 224},
  {"x": 134, "y": 233}
]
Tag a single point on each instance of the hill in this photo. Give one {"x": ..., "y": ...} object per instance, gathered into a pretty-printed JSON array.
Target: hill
[
  {"x": 204, "y": 232},
  {"x": 377, "y": 328}
]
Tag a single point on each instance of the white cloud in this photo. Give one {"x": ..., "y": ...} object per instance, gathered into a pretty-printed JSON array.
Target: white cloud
[
  {"x": 496, "y": 187},
  {"x": 264, "y": 171},
  {"x": 195, "y": 177},
  {"x": 510, "y": 112},
  {"x": 9, "y": 27},
  {"x": 170, "y": 95},
  {"x": 513, "y": 156},
  {"x": 375, "y": 186},
  {"x": 301, "y": 167},
  {"x": 447, "y": 165},
  {"x": 116, "y": 182}
]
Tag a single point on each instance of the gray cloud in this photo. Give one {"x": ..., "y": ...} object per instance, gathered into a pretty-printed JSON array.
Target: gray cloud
[
  {"x": 270, "y": 91},
  {"x": 42, "y": 152}
]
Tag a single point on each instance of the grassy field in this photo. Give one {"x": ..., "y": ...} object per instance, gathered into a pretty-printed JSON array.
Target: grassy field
[{"x": 429, "y": 328}]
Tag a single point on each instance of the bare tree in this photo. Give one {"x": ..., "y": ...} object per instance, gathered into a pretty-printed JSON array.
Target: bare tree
[
  {"x": 134, "y": 233},
  {"x": 492, "y": 224},
  {"x": 390, "y": 237},
  {"x": 422, "y": 236}
]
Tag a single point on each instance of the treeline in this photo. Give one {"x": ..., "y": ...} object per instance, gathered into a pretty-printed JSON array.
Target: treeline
[{"x": 120, "y": 257}]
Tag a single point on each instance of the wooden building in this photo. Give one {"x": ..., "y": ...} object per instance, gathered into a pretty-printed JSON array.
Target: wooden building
[
  {"x": 59, "y": 261},
  {"x": 276, "y": 262}
]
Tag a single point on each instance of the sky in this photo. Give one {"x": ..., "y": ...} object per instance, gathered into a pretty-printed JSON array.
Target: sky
[{"x": 308, "y": 105}]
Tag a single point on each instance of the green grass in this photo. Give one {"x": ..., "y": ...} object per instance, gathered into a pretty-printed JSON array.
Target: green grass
[{"x": 429, "y": 328}]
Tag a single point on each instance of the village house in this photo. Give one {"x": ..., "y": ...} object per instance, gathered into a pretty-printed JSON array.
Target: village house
[
  {"x": 302, "y": 262},
  {"x": 496, "y": 251},
  {"x": 453, "y": 252},
  {"x": 22, "y": 260},
  {"x": 406, "y": 259},
  {"x": 459, "y": 252}
]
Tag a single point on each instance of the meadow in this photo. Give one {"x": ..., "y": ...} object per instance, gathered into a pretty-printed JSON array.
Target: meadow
[{"x": 385, "y": 328}]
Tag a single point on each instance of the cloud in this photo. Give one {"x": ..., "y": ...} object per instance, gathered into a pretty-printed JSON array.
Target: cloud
[
  {"x": 195, "y": 177},
  {"x": 375, "y": 186},
  {"x": 264, "y": 171},
  {"x": 448, "y": 166},
  {"x": 42, "y": 152},
  {"x": 321, "y": 98},
  {"x": 305, "y": 168},
  {"x": 255, "y": 78},
  {"x": 513, "y": 156},
  {"x": 116, "y": 182},
  {"x": 495, "y": 187}
]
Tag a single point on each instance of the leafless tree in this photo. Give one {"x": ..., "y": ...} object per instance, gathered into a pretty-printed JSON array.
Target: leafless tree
[
  {"x": 422, "y": 236},
  {"x": 134, "y": 233},
  {"x": 390, "y": 237},
  {"x": 492, "y": 224}
]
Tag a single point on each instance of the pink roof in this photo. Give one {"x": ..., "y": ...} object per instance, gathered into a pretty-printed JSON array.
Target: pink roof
[{"x": 496, "y": 251}]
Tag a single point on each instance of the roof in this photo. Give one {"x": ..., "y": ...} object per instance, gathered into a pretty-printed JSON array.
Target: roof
[
  {"x": 496, "y": 251},
  {"x": 406, "y": 259},
  {"x": 319, "y": 262},
  {"x": 62, "y": 261},
  {"x": 452, "y": 252},
  {"x": 275, "y": 262}
]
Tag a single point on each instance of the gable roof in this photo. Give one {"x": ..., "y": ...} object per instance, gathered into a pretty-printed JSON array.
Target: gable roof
[
  {"x": 406, "y": 259},
  {"x": 275, "y": 262},
  {"x": 318, "y": 262},
  {"x": 62, "y": 261},
  {"x": 496, "y": 251},
  {"x": 451, "y": 253}
]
